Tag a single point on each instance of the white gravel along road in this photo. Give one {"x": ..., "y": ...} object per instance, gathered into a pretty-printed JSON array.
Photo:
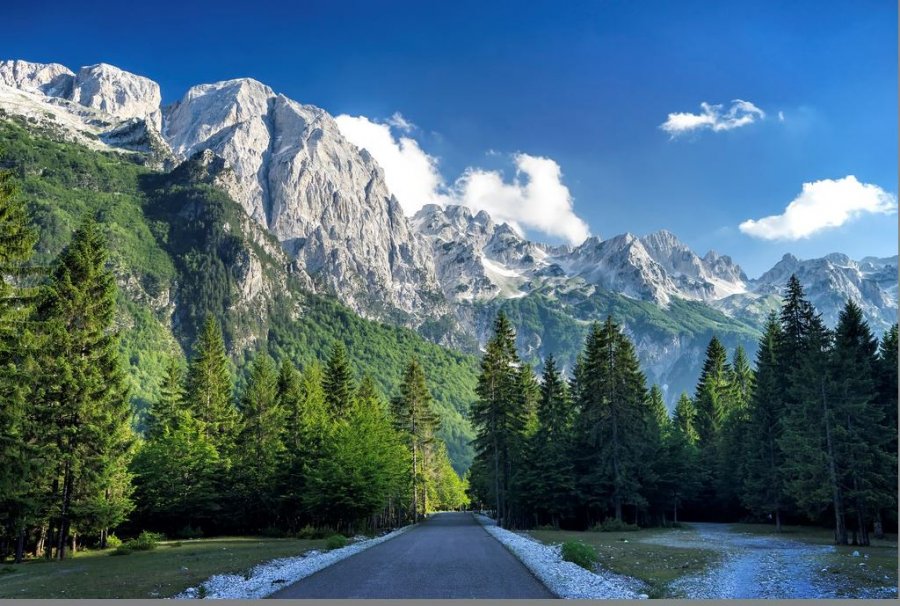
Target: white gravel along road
[
  {"x": 565, "y": 579},
  {"x": 267, "y": 578}
]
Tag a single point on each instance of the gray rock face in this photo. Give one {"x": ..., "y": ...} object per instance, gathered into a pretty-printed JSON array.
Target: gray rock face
[
  {"x": 321, "y": 196},
  {"x": 51, "y": 79},
  {"x": 829, "y": 281},
  {"x": 118, "y": 93}
]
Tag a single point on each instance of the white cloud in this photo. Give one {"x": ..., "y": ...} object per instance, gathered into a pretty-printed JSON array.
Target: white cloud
[
  {"x": 781, "y": 116},
  {"x": 411, "y": 174},
  {"x": 401, "y": 123},
  {"x": 741, "y": 113},
  {"x": 822, "y": 205},
  {"x": 535, "y": 199}
]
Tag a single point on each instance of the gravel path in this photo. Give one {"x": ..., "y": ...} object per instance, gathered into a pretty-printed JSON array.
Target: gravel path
[
  {"x": 448, "y": 556},
  {"x": 753, "y": 566},
  {"x": 565, "y": 579}
]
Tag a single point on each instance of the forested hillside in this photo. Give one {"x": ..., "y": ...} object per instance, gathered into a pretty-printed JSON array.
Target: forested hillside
[{"x": 181, "y": 249}]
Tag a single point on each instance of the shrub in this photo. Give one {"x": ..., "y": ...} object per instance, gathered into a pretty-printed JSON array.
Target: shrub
[
  {"x": 121, "y": 550},
  {"x": 579, "y": 553},
  {"x": 189, "y": 532},
  {"x": 113, "y": 541},
  {"x": 613, "y": 525},
  {"x": 146, "y": 541},
  {"x": 335, "y": 541},
  {"x": 308, "y": 532}
]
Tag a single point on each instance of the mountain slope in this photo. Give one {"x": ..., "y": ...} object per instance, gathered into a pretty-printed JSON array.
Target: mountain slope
[{"x": 181, "y": 248}]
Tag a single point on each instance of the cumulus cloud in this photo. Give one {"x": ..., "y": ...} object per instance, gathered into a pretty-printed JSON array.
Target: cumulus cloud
[
  {"x": 410, "y": 173},
  {"x": 822, "y": 205},
  {"x": 714, "y": 118},
  {"x": 535, "y": 198}
]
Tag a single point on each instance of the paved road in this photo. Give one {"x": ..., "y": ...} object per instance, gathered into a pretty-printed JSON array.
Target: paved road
[{"x": 448, "y": 556}]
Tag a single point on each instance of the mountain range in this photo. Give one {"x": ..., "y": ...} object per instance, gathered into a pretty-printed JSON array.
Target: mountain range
[{"x": 320, "y": 206}]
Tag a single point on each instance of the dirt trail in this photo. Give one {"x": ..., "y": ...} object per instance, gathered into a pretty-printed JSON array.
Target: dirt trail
[{"x": 753, "y": 566}]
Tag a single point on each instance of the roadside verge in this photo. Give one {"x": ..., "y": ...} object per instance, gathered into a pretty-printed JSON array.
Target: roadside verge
[
  {"x": 565, "y": 579},
  {"x": 267, "y": 578}
]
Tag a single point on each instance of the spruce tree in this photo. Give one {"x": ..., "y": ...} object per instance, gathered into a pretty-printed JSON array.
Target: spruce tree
[
  {"x": 260, "y": 445},
  {"x": 762, "y": 488},
  {"x": 163, "y": 413},
  {"x": 497, "y": 415},
  {"x": 730, "y": 445},
  {"x": 416, "y": 422},
  {"x": 82, "y": 395},
  {"x": 886, "y": 386},
  {"x": 612, "y": 407},
  {"x": 338, "y": 381},
  {"x": 549, "y": 476},
  {"x": 22, "y": 465},
  {"x": 811, "y": 426},
  {"x": 210, "y": 388},
  {"x": 861, "y": 444}
]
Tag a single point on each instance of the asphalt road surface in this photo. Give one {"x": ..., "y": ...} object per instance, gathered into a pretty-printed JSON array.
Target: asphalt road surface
[{"x": 448, "y": 556}]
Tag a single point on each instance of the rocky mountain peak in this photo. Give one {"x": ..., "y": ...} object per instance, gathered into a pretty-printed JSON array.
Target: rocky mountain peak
[
  {"x": 50, "y": 79},
  {"x": 118, "y": 93}
]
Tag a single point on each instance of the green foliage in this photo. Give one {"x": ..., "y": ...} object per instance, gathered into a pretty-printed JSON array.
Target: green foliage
[
  {"x": 500, "y": 418},
  {"x": 579, "y": 553},
  {"x": 335, "y": 541},
  {"x": 614, "y": 525},
  {"x": 113, "y": 541},
  {"x": 146, "y": 541}
]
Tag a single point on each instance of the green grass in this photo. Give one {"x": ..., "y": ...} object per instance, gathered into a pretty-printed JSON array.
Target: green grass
[
  {"x": 624, "y": 553},
  {"x": 167, "y": 570}
]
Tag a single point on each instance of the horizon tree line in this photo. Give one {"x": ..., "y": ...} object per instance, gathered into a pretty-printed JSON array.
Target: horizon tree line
[{"x": 808, "y": 435}]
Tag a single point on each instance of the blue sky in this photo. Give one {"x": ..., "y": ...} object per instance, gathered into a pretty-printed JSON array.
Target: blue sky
[{"x": 584, "y": 84}]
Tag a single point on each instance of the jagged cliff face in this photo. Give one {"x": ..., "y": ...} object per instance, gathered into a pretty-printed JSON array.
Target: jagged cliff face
[{"x": 290, "y": 168}]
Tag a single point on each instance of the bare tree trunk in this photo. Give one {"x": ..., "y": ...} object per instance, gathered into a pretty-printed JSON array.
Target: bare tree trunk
[
  {"x": 777, "y": 519},
  {"x": 879, "y": 525},
  {"x": 42, "y": 538},
  {"x": 20, "y": 544}
]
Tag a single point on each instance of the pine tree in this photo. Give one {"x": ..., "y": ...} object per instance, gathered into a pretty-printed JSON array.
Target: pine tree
[
  {"x": 338, "y": 382},
  {"x": 656, "y": 460},
  {"x": 810, "y": 436},
  {"x": 860, "y": 440},
  {"x": 497, "y": 415},
  {"x": 730, "y": 447},
  {"x": 416, "y": 422},
  {"x": 164, "y": 412},
  {"x": 22, "y": 464},
  {"x": 886, "y": 385},
  {"x": 763, "y": 490},
  {"x": 210, "y": 387},
  {"x": 684, "y": 418},
  {"x": 260, "y": 445},
  {"x": 612, "y": 407},
  {"x": 549, "y": 482},
  {"x": 82, "y": 398}
]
